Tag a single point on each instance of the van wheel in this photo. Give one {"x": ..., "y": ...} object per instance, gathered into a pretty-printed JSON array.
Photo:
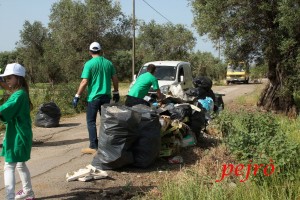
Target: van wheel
[{"x": 227, "y": 82}]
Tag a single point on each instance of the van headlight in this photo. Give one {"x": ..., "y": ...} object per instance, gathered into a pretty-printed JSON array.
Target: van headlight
[{"x": 164, "y": 89}]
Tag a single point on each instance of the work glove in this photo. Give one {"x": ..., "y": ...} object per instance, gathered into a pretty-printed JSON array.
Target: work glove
[
  {"x": 75, "y": 101},
  {"x": 116, "y": 96}
]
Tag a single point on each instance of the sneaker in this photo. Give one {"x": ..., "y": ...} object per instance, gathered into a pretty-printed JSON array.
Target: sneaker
[
  {"x": 25, "y": 196},
  {"x": 88, "y": 151}
]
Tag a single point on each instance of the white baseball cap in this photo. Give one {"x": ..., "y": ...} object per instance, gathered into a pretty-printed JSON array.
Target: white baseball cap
[
  {"x": 95, "y": 46},
  {"x": 14, "y": 69}
]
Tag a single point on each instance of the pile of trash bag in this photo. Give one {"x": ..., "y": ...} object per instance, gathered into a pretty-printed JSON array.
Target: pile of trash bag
[{"x": 128, "y": 136}]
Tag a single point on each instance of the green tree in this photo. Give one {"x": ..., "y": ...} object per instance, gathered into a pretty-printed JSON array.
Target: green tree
[
  {"x": 257, "y": 29},
  {"x": 164, "y": 42},
  {"x": 122, "y": 61},
  {"x": 205, "y": 64},
  {"x": 7, "y": 57},
  {"x": 74, "y": 25},
  {"x": 30, "y": 48}
]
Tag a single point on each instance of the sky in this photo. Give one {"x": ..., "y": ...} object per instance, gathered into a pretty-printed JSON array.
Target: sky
[{"x": 13, "y": 14}]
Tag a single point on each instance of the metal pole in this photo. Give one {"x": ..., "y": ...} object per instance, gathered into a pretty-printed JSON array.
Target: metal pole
[
  {"x": 133, "y": 38},
  {"x": 219, "y": 49}
]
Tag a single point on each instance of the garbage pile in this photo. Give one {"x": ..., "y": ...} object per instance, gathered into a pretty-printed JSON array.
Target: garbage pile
[
  {"x": 138, "y": 135},
  {"x": 128, "y": 136}
]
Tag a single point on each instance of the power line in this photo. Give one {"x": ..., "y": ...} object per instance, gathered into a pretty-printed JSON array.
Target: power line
[{"x": 156, "y": 11}]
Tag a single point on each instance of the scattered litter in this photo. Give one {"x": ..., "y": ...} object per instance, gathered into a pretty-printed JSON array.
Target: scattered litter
[
  {"x": 176, "y": 160},
  {"x": 86, "y": 174}
]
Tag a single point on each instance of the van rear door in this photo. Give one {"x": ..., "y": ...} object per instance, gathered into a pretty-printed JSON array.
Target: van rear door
[{"x": 184, "y": 70}]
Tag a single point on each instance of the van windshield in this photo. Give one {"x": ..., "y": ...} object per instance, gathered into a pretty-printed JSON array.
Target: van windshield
[
  {"x": 167, "y": 73},
  {"x": 233, "y": 68}
]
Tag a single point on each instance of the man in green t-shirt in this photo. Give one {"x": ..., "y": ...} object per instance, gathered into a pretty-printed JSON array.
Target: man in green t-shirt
[
  {"x": 97, "y": 75},
  {"x": 141, "y": 88}
]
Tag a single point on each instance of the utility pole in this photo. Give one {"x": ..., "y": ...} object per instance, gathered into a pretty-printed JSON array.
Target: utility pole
[
  {"x": 219, "y": 47},
  {"x": 133, "y": 38}
]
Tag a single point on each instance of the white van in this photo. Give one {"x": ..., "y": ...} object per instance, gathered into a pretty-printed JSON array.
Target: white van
[{"x": 169, "y": 73}]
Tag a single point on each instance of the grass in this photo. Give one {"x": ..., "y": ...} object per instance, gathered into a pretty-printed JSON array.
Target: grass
[
  {"x": 290, "y": 127},
  {"x": 191, "y": 187}
]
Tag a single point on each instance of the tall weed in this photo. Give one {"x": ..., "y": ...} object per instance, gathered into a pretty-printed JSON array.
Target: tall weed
[{"x": 190, "y": 186}]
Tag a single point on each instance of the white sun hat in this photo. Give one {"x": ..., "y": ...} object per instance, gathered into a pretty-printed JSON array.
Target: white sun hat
[{"x": 14, "y": 69}]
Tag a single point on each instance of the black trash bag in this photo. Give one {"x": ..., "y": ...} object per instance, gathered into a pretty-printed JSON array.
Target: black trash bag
[
  {"x": 48, "y": 115},
  {"x": 147, "y": 147},
  {"x": 192, "y": 92},
  {"x": 180, "y": 111},
  {"x": 118, "y": 131},
  {"x": 197, "y": 121},
  {"x": 165, "y": 110},
  {"x": 203, "y": 81}
]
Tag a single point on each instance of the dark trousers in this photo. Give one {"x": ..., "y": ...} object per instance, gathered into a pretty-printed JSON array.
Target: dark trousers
[
  {"x": 91, "y": 115},
  {"x": 132, "y": 101}
]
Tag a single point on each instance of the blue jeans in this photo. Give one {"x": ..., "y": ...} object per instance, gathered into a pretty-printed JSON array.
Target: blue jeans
[{"x": 91, "y": 115}]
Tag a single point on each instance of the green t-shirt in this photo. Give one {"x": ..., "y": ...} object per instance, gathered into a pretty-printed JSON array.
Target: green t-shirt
[
  {"x": 15, "y": 113},
  {"x": 142, "y": 85},
  {"x": 99, "y": 72}
]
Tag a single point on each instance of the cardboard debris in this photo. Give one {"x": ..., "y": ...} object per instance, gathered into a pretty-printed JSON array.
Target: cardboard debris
[{"x": 86, "y": 174}]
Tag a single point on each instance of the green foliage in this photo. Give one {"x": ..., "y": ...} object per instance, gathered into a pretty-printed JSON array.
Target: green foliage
[
  {"x": 258, "y": 137},
  {"x": 74, "y": 25},
  {"x": 62, "y": 95},
  {"x": 258, "y": 72},
  {"x": 205, "y": 64},
  {"x": 164, "y": 42},
  {"x": 31, "y": 50},
  {"x": 7, "y": 57},
  {"x": 122, "y": 61}
]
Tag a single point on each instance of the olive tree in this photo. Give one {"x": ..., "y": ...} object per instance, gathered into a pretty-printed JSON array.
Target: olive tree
[
  {"x": 257, "y": 29},
  {"x": 31, "y": 50},
  {"x": 74, "y": 25},
  {"x": 164, "y": 41}
]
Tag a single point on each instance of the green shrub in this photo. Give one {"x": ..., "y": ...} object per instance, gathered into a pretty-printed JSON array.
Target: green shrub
[
  {"x": 62, "y": 95},
  {"x": 259, "y": 138}
]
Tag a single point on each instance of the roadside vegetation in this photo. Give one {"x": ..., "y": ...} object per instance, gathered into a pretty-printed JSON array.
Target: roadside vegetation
[
  {"x": 248, "y": 136},
  {"x": 62, "y": 95}
]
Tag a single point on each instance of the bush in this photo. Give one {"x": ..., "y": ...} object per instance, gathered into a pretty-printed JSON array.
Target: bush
[
  {"x": 62, "y": 95},
  {"x": 258, "y": 137}
]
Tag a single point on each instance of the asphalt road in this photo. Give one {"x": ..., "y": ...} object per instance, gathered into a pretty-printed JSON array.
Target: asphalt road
[{"x": 56, "y": 151}]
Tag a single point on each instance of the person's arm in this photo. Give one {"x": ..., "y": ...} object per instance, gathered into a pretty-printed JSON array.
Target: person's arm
[
  {"x": 82, "y": 86},
  {"x": 116, "y": 95},
  {"x": 160, "y": 95},
  {"x": 115, "y": 81},
  {"x": 80, "y": 90}
]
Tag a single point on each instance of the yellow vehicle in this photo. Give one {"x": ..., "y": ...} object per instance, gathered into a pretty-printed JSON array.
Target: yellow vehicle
[{"x": 237, "y": 73}]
